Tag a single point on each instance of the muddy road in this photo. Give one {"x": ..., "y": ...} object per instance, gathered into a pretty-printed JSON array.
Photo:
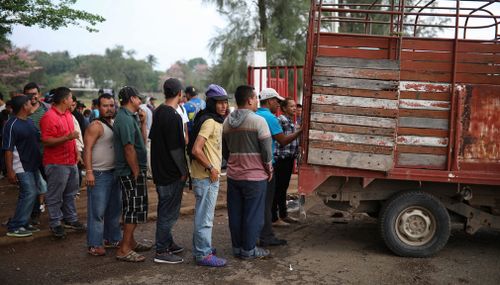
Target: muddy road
[{"x": 319, "y": 252}]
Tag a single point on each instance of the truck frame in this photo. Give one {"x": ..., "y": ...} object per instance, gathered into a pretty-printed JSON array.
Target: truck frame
[{"x": 402, "y": 124}]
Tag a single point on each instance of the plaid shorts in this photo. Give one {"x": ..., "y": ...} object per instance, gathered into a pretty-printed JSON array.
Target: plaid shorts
[{"x": 135, "y": 199}]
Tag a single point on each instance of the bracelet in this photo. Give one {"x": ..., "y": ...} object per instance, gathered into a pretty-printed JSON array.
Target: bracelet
[{"x": 209, "y": 167}]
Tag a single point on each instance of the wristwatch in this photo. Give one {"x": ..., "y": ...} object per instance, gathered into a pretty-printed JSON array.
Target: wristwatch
[{"x": 209, "y": 168}]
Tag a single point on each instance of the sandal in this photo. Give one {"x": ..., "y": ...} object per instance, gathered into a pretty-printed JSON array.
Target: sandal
[
  {"x": 96, "y": 251},
  {"x": 132, "y": 256},
  {"x": 140, "y": 247}
]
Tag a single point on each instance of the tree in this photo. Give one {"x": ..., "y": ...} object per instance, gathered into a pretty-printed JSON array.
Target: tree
[{"x": 43, "y": 13}]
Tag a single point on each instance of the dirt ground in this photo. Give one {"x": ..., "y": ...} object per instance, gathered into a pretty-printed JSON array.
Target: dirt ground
[{"x": 319, "y": 252}]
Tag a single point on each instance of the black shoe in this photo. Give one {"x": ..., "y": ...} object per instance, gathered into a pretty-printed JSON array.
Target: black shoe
[
  {"x": 58, "y": 231},
  {"x": 273, "y": 242},
  {"x": 174, "y": 248},
  {"x": 76, "y": 225}
]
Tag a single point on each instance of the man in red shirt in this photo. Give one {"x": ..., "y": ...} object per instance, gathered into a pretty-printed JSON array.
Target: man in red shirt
[{"x": 59, "y": 159}]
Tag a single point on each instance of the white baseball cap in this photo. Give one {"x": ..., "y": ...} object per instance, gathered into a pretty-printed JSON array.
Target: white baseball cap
[{"x": 268, "y": 93}]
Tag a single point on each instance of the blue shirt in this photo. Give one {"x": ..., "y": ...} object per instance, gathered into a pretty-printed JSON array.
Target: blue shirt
[
  {"x": 22, "y": 138},
  {"x": 272, "y": 122},
  {"x": 192, "y": 108}
]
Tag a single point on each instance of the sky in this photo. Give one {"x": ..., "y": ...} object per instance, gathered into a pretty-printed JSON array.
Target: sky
[{"x": 170, "y": 30}]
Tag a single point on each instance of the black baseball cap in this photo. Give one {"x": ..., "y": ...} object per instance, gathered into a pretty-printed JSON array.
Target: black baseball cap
[
  {"x": 18, "y": 102},
  {"x": 127, "y": 92},
  {"x": 191, "y": 91}
]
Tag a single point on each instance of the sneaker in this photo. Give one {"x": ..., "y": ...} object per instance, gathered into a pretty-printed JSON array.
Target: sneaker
[
  {"x": 212, "y": 261},
  {"x": 108, "y": 244},
  {"x": 20, "y": 232},
  {"x": 32, "y": 228},
  {"x": 174, "y": 248},
  {"x": 280, "y": 223},
  {"x": 292, "y": 206},
  {"x": 257, "y": 252},
  {"x": 168, "y": 257},
  {"x": 58, "y": 231},
  {"x": 76, "y": 225},
  {"x": 273, "y": 242},
  {"x": 35, "y": 221},
  {"x": 96, "y": 251}
]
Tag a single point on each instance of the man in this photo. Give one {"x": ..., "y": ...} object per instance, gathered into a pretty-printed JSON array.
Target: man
[
  {"x": 247, "y": 148},
  {"x": 23, "y": 160},
  {"x": 298, "y": 116},
  {"x": 103, "y": 188},
  {"x": 205, "y": 171},
  {"x": 130, "y": 168},
  {"x": 60, "y": 157},
  {"x": 169, "y": 165},
  {"x": 269, "y": 102},
  {"x": 193, "y": 105},
  {"x": 284, "y": 157}
]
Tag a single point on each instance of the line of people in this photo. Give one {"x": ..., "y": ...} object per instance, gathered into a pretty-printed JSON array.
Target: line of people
[{"x": 259, "y": 148}]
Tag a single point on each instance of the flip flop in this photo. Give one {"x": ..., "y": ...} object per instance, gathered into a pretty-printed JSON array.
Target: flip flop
[
  {"x": 131, "y": 256},
  {"x": 140, "y": 247}
]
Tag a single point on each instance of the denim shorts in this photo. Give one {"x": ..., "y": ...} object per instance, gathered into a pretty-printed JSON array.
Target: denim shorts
[{"x": 135, "y": 199}]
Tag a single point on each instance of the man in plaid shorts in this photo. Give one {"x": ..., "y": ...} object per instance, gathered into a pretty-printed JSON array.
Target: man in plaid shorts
[{"x": 130, "y": 166}]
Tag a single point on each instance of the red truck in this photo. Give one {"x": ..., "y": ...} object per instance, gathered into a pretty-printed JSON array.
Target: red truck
[{"x": 401, "y": 125}]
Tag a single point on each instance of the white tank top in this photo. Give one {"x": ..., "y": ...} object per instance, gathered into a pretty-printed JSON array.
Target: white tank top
[{"x": 103, "y": 152}]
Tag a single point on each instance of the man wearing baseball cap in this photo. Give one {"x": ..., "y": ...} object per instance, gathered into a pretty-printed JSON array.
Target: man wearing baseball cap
[
  {"x": 193, "y": 105},
  {"x": 205, "y": 170},
  {"x": 269, "y": 104}
]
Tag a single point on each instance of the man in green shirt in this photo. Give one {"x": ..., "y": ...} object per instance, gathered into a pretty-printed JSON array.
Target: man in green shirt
[{"x": 130, "y": 167}]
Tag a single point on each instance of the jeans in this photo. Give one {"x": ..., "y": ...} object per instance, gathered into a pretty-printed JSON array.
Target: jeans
[
  {"x": 267, "y": 232},
  {"x": 104, "y": 209},
  {"x": 42, "y": 187},
  {"x": 169, "y": 205},
  {"x": 245, "y": 208},
  {"x": 28, "y": 193},
  {"x": 62, "y": 185},
  {"x": 205, "y": 193},
  {"x": 283, "y": 171}
]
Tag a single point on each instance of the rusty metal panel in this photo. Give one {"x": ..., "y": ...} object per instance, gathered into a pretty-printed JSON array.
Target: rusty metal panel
[{"x": 480, "y": 142}]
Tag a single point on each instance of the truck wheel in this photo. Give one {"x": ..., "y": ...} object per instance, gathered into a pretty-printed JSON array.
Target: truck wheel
[{"x": 414, "y": 224}]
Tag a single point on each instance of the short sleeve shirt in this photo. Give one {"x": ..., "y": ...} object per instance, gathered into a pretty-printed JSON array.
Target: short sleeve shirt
[
  {"x": 126, "y": 130},
  {"x": 212, "y": 132},
  {"x": 55, "y": 124},
  {"x": 272, "y": 122},
  {"x": 22, "y": 138},
  {"x": 192, "y": 107}
]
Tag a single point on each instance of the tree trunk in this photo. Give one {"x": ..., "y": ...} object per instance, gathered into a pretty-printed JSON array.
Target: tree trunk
[{"x": 263, "y": 23}]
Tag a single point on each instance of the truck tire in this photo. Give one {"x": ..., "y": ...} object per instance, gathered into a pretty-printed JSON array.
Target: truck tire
[{"x": 414, "y": 224}]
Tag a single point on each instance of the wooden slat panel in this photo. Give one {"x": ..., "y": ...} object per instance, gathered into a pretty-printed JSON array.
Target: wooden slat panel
[
  {"x": 432, "y": 56},
  {"x": 357, "y": 92},
  {"x": 354, "y": 53},
  {"x": 354, "y": 111},
  {"x": 422, "y": 141},
  {"x": 351, "y": 147},
  {"x": 436, "y": 66},
  {"x": 351, "y": 138},
  {"x": 347, "y": 41},
  {"x": 478, "y": 58},
  {"x": 477, "y": 78},
  {"x": 354, "y": 83},
  {"x": 424, "y": 87},
  {"x": 378, "y": 162},
  {"x": 358, "y": 63},
  {"x": 423, "y": 132},
  {"x": 440, "y": 96},
  {"x": 426, "y": 76},
  {"x": 424, "y": 123},
  {"x": 351, "y": 129},
  {"x": 353, "y": 120},
  {"x": 478, "y": 68},
  {"x": 421, "y": 160},
  {"x": 378, "y": 74},
  {"x": 475, "y": 47},
  {"x": 421, "y": 149},
  {"x": 355, "y": 101},
  {"x": 424, "y": 114},
  {"x": 424, "y": 105},
  {"x": 434, "y": 45}
]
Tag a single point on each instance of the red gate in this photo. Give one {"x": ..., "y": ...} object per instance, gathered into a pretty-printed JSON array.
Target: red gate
[{"x": 286, "y": 80}]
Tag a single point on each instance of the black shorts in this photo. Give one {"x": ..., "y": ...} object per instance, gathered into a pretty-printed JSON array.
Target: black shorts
[{"x": 135, "y": 199}]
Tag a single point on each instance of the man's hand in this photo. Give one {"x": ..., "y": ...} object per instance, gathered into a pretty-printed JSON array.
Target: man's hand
[
  {"x": 90, "y": 179},
  {"x": 214, "y": 175},
  {"x": 142, "y": 116},
  {"x": 73, "y": 135},
  {"x": 12, "y": 177},
  {"x": 270, "y": 177}
]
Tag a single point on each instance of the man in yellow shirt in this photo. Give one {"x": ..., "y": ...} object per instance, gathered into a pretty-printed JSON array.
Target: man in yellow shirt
[{"x": 206, "y": 168}]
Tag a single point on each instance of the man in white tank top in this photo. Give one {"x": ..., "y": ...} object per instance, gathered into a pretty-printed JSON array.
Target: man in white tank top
[{"x": 103, "y": 188}]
